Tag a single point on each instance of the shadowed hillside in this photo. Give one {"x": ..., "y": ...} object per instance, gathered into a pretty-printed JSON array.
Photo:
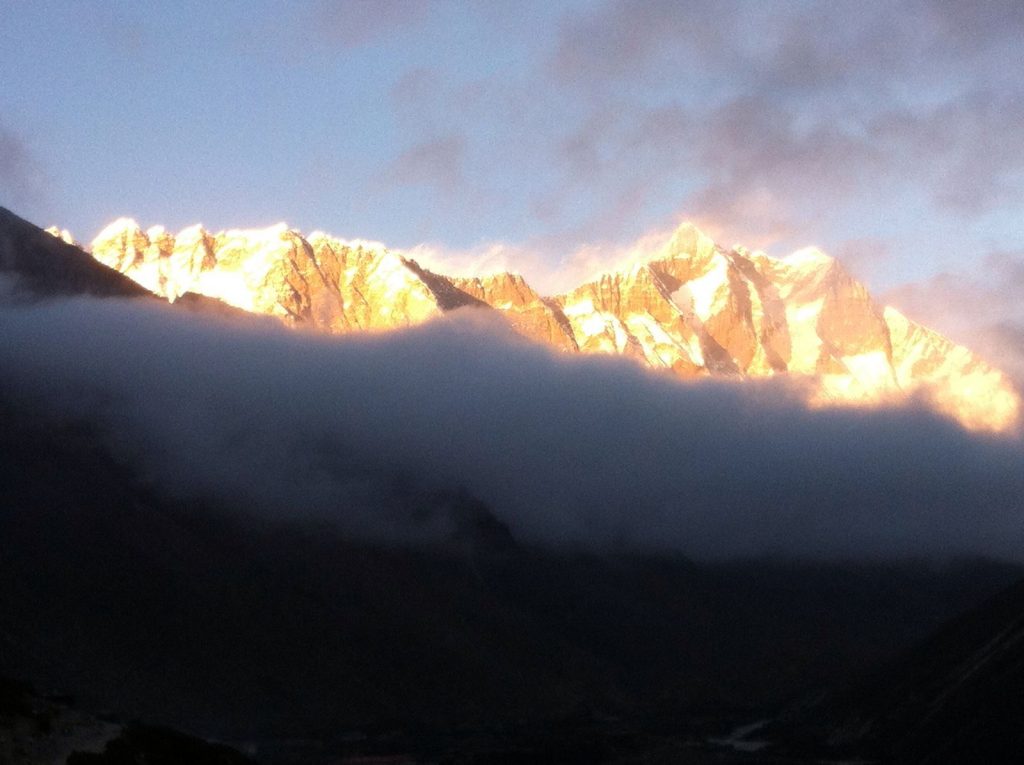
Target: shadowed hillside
[
  {"x": 954, "y": 698},
  {"x": 185, "y": 616}
]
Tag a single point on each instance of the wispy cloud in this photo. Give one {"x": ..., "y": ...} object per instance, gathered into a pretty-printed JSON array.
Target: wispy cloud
[
  {"x": 623, "y": 38},
  {"x": 436, "y": 162},
  {"x": 785, "y": 117},
  {"x": 353, "y": 23},
  {"x": 21, "y": 176},
  {"x": 534, "y": 260}
]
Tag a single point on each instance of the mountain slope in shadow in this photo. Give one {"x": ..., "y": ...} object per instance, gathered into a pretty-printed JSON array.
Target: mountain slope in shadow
[
  {"x": 43, "y": 266},
  {"x": 958, "y": 697},
  {"x": 232, "y": 627}
]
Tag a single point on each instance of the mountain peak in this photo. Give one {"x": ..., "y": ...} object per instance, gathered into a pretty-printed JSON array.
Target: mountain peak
[
  {"x": 318, "y": 239},
  {"x": 63, "y": 234},
  {"x": 688, "y": 241},
  {"x": 809, "y": 258},
  {"x": 194, "y": 232},
  {"x": 118, "y": 228},
  {"x": 694, "y": 309}
]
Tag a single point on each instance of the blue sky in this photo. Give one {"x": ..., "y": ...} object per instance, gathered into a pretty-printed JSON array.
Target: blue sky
[{"x": 890, "y": 134}]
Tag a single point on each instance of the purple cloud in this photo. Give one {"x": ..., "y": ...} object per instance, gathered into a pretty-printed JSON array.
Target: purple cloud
[
  {"x": 437, "y": 162},
  {"x": 969, "y": 151},
  {"x": 968, "y": 28},
  {"x": 805, "y": 106},
  {"x": 624, "y": 37},
  {"x": 353, "y": 23}
]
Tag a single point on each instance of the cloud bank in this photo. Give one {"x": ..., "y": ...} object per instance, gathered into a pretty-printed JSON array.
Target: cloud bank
[{"x": 590, "y": 453}]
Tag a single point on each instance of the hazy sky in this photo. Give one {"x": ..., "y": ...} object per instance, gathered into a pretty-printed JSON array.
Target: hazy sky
[{"x": 891, "y": 134}]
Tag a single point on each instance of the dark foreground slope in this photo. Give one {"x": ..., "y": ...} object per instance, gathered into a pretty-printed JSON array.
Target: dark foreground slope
[
  {"x": 957, "y": 697},
  {"x": 48, "y": 266},
  {"x": 186, "y": 616},
  {"x": 35, "y": 730}
]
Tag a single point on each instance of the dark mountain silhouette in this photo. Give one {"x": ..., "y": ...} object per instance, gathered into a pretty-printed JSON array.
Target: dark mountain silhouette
[
  {"x": 191, "y": 617},
  {"x": 47, "y": 265},
  {"x": 43, "y": 265},
  {"x": 957, "y": 697}
]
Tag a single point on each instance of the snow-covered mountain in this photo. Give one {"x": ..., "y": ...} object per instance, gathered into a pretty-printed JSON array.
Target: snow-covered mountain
[{"x": 693, "y": 309}]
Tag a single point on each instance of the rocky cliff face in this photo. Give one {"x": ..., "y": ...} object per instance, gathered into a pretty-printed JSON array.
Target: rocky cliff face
[{"x": 694, "y": 309}]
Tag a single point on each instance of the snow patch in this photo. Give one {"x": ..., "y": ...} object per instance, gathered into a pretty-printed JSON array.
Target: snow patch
[
  {"x": 116, "y": 229},
  {"x": 703, "y": 291}
]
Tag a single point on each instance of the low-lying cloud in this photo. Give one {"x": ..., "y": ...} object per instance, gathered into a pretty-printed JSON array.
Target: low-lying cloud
[{"x": 591, "y": 453}]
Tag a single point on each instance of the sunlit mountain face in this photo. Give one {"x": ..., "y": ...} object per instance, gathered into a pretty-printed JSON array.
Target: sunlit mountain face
[{"x": 691, "y": 309}]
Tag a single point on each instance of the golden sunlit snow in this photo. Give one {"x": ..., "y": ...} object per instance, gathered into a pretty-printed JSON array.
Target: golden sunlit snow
[{"x": 693, "y": 308}]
